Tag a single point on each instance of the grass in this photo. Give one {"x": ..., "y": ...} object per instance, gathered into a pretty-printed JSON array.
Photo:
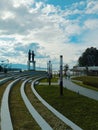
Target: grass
[
  {"x": 81, "y": 110},
  {"x": 45, "y": 113},
  {"x": 2, "y": 89},
  {"x": 54, "y": 79},
  {"x": 21, "y": 118},
  {"x": 90, "y": 82},
  {"x": 85, "y": 86}
]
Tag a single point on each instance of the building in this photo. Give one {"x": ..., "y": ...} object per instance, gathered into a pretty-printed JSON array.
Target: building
[{"x": 89, "y": 70}]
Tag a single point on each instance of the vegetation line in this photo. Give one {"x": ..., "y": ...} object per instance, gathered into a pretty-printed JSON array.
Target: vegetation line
[
  {"x": 21, "y": 118},
  {"x": 2, "y": 89},
  {"x": 55, "y": 123},
  {"x": 79, "y": 109},
  {"x": 90, "y": 82},
  {"x": 5, "y": 112},
  {"x": 41, "y": 122}
]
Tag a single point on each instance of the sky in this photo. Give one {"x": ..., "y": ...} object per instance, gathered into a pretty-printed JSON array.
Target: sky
[{"x": 48, "y": 27}]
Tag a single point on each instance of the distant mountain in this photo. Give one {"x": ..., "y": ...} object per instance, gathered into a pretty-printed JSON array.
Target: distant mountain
[
  {"x": 24, "y": 67},
  {"x": 19, "y": 66}
]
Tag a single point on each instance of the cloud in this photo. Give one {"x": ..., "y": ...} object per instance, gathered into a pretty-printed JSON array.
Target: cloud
[
  {"x": 91, "y": 24},
  {"x": 18, "y": 3},
  {"x": 47, "y": 29},
  {"x": 92, "y": 7}
]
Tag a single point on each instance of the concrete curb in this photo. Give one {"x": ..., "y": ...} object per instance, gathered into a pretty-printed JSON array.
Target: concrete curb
[
  {"x": 41, "y": 122},
  {"x": 6, "y": 123},
  {"x": 58, "y": 114},
  {"x": 5, "y": 80}
]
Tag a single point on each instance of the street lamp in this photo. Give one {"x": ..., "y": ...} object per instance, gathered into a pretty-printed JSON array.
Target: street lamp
[
  {"x": 61, "y": 75},
  {"x": 49, "y": 69}
]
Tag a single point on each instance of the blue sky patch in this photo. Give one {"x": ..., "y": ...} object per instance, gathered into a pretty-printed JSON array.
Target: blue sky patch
[
  {"x": 62, "y": 3},
  {"x": 6, "y": 39}
]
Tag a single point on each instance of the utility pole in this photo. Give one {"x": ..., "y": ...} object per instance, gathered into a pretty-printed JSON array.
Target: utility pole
[{"x": 61, "y": 75}]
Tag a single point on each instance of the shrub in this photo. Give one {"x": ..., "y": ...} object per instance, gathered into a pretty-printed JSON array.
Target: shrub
[{"x": 88, "y": 80}]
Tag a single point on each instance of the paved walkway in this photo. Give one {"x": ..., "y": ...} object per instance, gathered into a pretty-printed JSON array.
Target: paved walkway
[{"x": 83, "y": 91}]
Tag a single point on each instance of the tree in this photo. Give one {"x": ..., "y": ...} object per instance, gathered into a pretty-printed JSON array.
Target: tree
[
  {"x": 1, "y": 69},
  {"x": 89, "y": 57},
  {"x": 66, "y": 67}
]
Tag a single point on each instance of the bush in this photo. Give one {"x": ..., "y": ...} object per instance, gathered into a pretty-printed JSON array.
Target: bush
[
  {"x": 91, "y": 83},
  {"x": 88, "y": 80}
]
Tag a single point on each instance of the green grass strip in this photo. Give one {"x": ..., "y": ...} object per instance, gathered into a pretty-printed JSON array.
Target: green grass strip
[
  {"x": 79, "y": 109},
  {"x": 2, "y": 89},
  {"x": 90, "y": 82},
  {"x": 54, "y": 122},
  {"x": 85, "y": 86},
  {"x": 54, "y": 79},
  {"x": 21, "y": 118}
]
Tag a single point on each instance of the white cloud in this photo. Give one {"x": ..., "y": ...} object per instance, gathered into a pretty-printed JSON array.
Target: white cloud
[
  {"x": 27, "y": 21},
  {"x": 73, "y": 29},
  {"x": 7, "y": 15},
  {"x": 17, "y": 3},
  {"x": 91, "y": 24},
  {"x": 92, "y": 7}
]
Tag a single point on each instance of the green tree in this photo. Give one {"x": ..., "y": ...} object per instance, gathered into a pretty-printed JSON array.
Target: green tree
[
  {"x": 89, "y": 57},
  {"x": 1, "y": 69},
  {"x": 66, "y": 67}
]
